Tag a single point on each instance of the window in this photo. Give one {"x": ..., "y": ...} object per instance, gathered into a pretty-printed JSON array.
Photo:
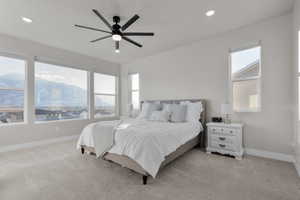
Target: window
[
  {"x": 245, "y": 77},
  {"x": 12, "y": 85},
  {"x": 135, "y": 91},
  {"x": 105, "y": 95},
  {"x": 60, "y": 93}
]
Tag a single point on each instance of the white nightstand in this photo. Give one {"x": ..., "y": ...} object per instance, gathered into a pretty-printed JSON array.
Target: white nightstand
[{"x": 225, "y": 139}]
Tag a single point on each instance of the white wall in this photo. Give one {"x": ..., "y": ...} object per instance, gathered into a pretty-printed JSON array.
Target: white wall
[
  {"x": 296, "y": 28},
  {"x": 200, "y": 70},
  {"x": 30, "y": 132}
]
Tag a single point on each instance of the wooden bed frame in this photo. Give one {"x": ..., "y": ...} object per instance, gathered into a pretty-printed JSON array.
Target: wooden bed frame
[{"x": 127, "y": 162}]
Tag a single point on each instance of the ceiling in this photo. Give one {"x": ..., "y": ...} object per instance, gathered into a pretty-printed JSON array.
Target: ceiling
[{"x": 175, "y": 22}]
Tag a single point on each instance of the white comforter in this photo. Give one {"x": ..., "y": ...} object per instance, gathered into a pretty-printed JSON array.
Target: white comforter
[
  {"x": 101, "y": 142},
  {"x": 148, "y": 143}
]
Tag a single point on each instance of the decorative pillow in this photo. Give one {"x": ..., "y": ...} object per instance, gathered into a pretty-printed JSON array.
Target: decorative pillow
[
  {"x": 147, "y": 109},
  {"x": 178, "y": 113},
  {"x": 193, "y": 110},
  {"x": 161, "y": 116},
  {"x": 167, "y": 107}
]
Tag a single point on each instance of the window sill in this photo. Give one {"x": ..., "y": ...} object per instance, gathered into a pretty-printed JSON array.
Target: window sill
[
  {"x": 60, "y": 121},
  {"x": 248, "y": 111},
  {"x": 13, "y": 124},
  {"x": 107, "y": 117}
]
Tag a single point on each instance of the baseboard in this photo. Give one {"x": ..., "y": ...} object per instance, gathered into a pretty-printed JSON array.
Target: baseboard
[
  {"x": 270, "y": 155},
  {"x": 36, "y": 143}
]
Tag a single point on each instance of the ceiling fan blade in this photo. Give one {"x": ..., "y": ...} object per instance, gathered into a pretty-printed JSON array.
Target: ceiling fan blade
[
  {"x": 91, "y": 28},
  {"x": 131, "y": 41},
  {"x": 102, "y": 18},
  {"x": 138, "y": 34},
  {"x": 129, "y": 22},
  {"x": 102, "y": 38}
]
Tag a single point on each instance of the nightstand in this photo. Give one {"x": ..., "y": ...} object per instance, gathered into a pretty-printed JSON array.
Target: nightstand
[{"x": 225, "y": 139}]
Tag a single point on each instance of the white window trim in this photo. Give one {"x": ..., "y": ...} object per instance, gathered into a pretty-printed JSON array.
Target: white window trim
[
  {"x": 116, "y": 95},
  {"x": 46, "y": 61},
  {"x": 26, "y": 95},
  {"x": 298, "y": 75},
  {"x": 29, "y": 90},
  {"x": 259, "y": 78}
]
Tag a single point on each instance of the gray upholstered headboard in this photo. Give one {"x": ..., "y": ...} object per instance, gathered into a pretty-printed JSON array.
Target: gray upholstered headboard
[{"x": 202, "y": 117}]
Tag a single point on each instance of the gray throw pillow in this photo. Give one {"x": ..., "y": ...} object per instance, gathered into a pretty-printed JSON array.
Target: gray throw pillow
[{"x": 178, "y": 113}]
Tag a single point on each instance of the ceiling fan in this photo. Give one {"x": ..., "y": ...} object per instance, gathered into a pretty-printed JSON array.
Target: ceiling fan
[{"x": 116, "y": 32}]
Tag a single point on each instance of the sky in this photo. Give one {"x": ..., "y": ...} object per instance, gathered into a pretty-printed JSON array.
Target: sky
[
  {"x": 59, "y": 74},
  {"x": 243, "y": 58},
  {"x": 104, "y": 84},
  {"x": 11, "y": 66},
  {"x": 135, "y": 82},
  {"x": 71, "y": 76}
]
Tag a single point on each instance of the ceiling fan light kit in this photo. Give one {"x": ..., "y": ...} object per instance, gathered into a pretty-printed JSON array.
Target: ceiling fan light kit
[
  {"x": 116, "y": 37},
  {"x": 116, "y": 32}
]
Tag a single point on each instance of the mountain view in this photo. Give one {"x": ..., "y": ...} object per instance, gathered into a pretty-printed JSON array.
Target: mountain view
[
  {"x": 53, "y": 100},
  {"x": 67, "y": 95}
]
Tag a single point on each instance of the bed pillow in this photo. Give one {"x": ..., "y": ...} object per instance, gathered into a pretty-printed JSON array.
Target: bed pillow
[
  {"x": 160, "y": 116},
  {"x": 147, "y": 109},
  {"x": 193, "y": 110},
  {"x": 167, "y": 107},
  {"x": 178, "y": 113}
]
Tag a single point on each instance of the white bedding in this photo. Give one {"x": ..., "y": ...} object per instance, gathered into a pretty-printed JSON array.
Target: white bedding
[
  {"x": 148, "y": 142},
  {"x": 101, "y": 142}
]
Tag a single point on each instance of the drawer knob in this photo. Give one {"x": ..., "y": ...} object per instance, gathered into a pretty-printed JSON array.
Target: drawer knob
[
  {"x": 222, "y": 138},
  {"x": 231, "y": 131},
  {"x": 222, "y": 145}
]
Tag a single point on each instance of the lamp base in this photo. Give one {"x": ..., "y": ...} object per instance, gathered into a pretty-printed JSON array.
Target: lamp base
[{"x": 227, "y": 120}]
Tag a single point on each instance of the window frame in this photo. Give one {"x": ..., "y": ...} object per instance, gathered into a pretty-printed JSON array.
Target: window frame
[
  {"x": 58, "y": 64},
  {"x": 132, "y": 90},
  {"x": 25, "y": 91},
  {"x": 298, "y": 74},
  {"x": 116, "y": 95},
  {"x": 258, "y": 78}
]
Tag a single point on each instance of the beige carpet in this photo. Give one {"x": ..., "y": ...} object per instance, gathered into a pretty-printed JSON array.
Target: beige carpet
[{"x": 58, "y": 172}]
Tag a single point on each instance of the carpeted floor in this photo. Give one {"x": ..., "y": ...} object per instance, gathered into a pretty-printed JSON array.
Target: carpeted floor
[{"x": 59, "y": 172}]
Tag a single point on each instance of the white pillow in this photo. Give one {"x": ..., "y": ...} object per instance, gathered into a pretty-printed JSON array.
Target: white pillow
[
  {"x": 147, "y": 109},
  {"x": 178, "y": 113},
  {"x": 193, "y": 110},
  {"x": 160, "y": 116},
  {"x": 167, "y": 107}
]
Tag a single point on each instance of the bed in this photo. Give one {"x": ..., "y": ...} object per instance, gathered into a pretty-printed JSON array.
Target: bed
[{"x": 182, "y": 144}]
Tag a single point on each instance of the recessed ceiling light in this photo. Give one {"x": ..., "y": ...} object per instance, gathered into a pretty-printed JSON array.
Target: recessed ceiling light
[
  {"x": 210, "y": 13},
  {"x": 26, "y": 20}
]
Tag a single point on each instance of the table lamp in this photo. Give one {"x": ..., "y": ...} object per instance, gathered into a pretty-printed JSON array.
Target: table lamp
[{"x": 226, "y": 110}]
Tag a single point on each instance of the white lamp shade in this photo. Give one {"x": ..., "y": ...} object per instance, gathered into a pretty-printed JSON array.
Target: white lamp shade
[{"x": 226, "y": 109}]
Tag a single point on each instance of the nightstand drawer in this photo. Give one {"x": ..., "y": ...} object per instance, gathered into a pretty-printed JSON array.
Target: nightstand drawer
[
  {"x": 220, "y": 130},
  {"x": 223, "y": 146},
  {"x": 223, "y": 139}
]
